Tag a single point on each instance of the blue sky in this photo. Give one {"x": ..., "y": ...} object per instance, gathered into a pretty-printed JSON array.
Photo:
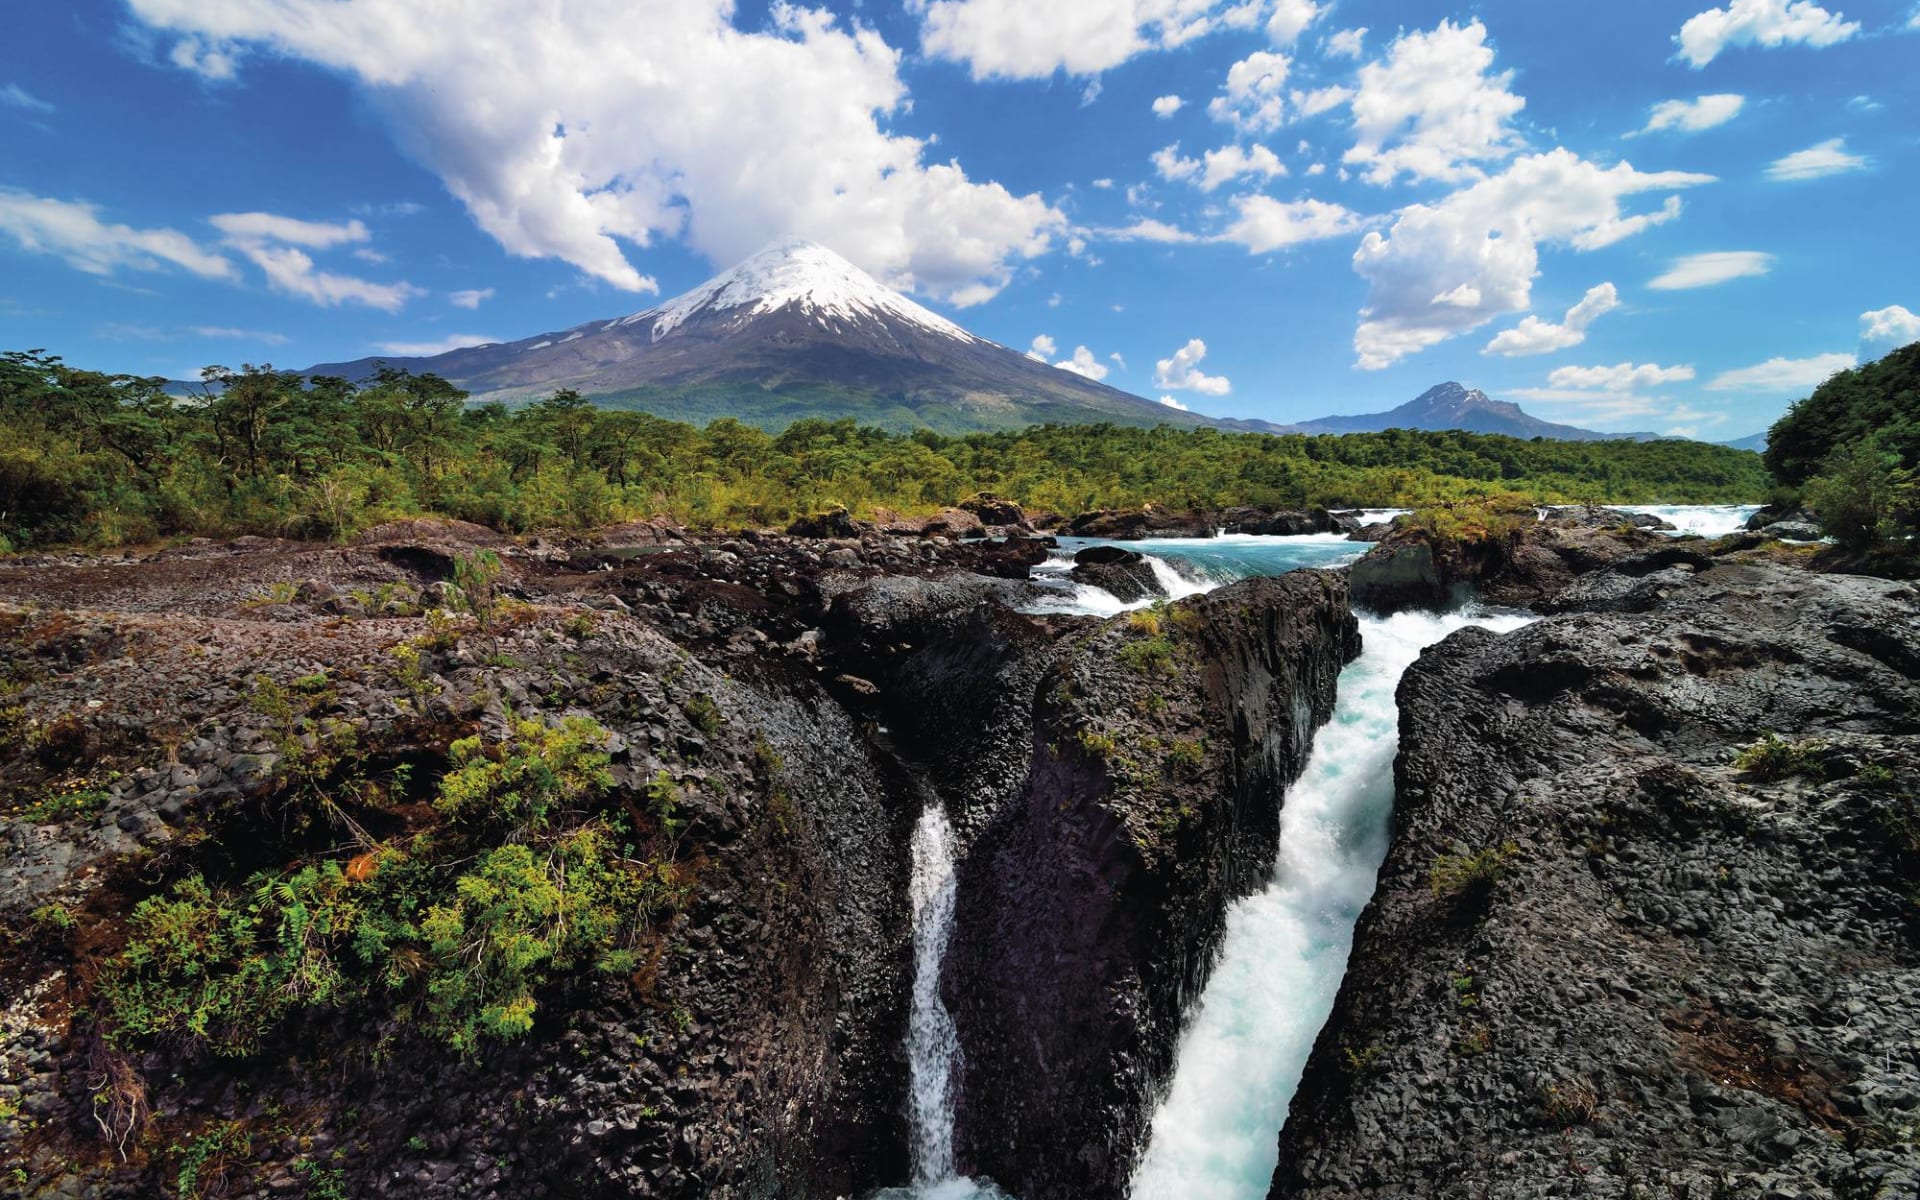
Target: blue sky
[{"x": 1642, "y": 215}]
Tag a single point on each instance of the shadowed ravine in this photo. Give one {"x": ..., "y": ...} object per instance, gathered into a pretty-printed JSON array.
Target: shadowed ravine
[{"x": 1286, "y": 947}]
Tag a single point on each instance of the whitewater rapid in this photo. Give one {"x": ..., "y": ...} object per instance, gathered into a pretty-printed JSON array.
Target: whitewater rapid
[
  {"x": 1704, "y": 520},
  {"x": 1215, "y": 1136}
]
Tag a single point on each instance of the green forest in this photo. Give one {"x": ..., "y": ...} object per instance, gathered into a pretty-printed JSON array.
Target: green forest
[
  {"x": 101, "y": 460},
  {"x": 1851, "y": 450}
]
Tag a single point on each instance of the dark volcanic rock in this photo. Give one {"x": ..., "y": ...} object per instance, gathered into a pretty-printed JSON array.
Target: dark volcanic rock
[
  {"x": 1132, "y": 524},
  {"x": 1773, "y": 514},
  {"x": 1794, "y": 531},
  {"x": 838, "y": 523},
  {"x": 994, "y": 510},
  {"x": 1606, "y": 960},
  {"x": 1594, "y": 516},
  {"x": 1514, "y": 561},
  {"x": 1125, "y": 573},
  {"x": 1092, "y": 903}
]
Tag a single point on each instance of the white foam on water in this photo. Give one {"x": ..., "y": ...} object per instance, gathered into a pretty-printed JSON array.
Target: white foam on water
[
  {"x": 1706, "y": 520},
  {"x": 1215, "y": 1136}
]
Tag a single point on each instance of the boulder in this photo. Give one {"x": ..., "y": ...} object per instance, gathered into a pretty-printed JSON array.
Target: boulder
[
  {"x": 836, "y": 523},
  {"x": 1125, "y": 573},
  {"x": 1794, "y": 531},
  {"x": 994, "y": 510}
]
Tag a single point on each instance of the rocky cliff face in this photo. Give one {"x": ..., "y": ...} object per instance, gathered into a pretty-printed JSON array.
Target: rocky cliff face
[
  {"x": 1155, "y": 756},
  {"x": 1627, "y": 942},
  {"x": 774, "y": 712},
  {"x": 749, "y": 1048}
]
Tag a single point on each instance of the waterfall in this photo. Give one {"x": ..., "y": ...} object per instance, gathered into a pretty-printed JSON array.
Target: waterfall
[
  {"x": 933, "y": 1048},
  {"x": 1215, "y": 1136}
]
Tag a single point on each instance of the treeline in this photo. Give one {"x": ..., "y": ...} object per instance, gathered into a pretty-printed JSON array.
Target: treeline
[
  {"x": 1852, "y": 452},
  {"x": 103, "y": 460}
]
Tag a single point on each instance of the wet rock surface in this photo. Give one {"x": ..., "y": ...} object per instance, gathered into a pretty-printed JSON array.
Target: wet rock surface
[
  {"x": 1124, "y": 573},
  {"x": 1606, "y": 957},
  {"x": 1094, "y": 895}
]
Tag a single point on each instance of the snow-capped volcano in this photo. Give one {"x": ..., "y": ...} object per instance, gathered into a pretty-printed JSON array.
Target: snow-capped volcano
[
  {"x": 794, "y": 331},
  {"x": 795, "y": 274}
]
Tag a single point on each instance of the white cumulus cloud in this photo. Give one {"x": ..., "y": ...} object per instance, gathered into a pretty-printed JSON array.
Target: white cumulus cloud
[
  {"x": 1816, "y": 162},
  {"x": 293, "y": 271},
  {"x": 1767, "y": 23},
  {"x": 1290, "y": 19},
  {"x": 1085, "y": 362},
  {"x": 1170, "y": 402},
  {"x": 1020, "y": 39},
  {"x": 1148, "y": 229},
  {"x": 1706, "y": 270},
  {"x": 1695, "y": 115},
  {"x": 1347, "y": 43},
  {"x": 580, "y": 130},
  {"x": 74, "y": 230},
  {"x": 278, "y": 246},
  {"x": 1482, "y": 243},
  {"x": 1255, "y": 97},
  {"x": 1535, "y": 336},
  {"x": 1218, "y": 167},
  {"x": 1043, "y": 348},
  {"x": 1782, "y": 375},
  {"x": 1432, "y": 109},
  {"x": 1265, "y": 224},
  {"x": 1889, "y": 328},
  {"x": 1166, "y": 106},
  {"x": 471, "y": 298},
  {"x": 1621, "y": 377},
  {"x": 1182, "y": 372}
]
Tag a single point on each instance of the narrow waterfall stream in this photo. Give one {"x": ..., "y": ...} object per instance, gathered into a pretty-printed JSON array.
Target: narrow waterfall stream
[
  {"x": 933, "y": 1047},
  {"x": 1215, "y": 1136}
]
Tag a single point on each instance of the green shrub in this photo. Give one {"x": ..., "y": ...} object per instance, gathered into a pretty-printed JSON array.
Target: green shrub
[
  {"x": 528, "y": 886},
  {"x": 1152, "y": 656},
  {"x": 1773, "y": 757},
  {"x": 1469, "y": 877},
  {"x": 1864, "y": 498},
  {"x": 208, "y": 1158},
  {"x": 476, "y": 579},
  {"x": 544, "y": 773},
  {"x": 705, "y": 714}
]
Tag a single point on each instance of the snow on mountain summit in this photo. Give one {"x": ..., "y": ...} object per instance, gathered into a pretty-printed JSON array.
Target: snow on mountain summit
[{"x": 796, "y": 273}]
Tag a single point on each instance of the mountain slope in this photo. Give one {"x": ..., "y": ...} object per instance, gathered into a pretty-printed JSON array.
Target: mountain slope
[
  {"x": 1453, "y": 406},
  {"x": 794, "y": 331}
]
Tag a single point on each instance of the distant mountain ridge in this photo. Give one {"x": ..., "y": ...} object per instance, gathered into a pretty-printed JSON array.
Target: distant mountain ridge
[
  {"x": 798, "y": 331},
  {"x": 794, "y": 331},
  {"x": 1452, "y": 405}
]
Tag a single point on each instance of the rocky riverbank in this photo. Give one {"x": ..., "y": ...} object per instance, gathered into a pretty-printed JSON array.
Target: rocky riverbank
[
  {"x": 257, "y": 799},
  {"x": 1648, "y": 925}
]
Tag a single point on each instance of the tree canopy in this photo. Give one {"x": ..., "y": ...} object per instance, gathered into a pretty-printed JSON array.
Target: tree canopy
[{"x": 94, "y": 459}]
